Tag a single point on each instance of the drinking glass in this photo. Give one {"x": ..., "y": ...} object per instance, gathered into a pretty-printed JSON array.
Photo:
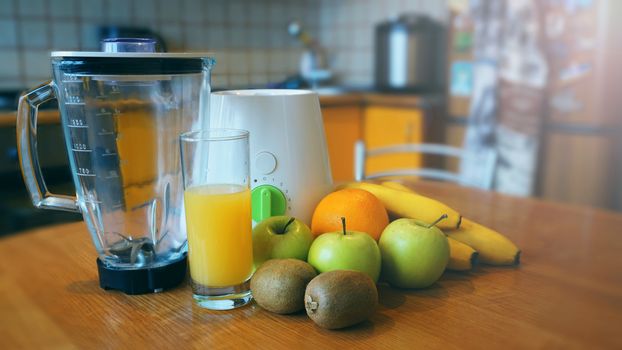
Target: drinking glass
[{"x": 217, "y": 199}]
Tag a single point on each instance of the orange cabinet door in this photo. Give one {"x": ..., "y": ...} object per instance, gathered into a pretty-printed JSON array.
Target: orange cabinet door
[
  {"x": 343, "y": 127},
  {"x": 385, "y": 126}
]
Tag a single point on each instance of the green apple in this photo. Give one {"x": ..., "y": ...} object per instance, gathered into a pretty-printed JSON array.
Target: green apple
[
  {"x": 281, "y": 237},
  {"x": 414, "y": 254},
  {"x": 346, "y": 250}
]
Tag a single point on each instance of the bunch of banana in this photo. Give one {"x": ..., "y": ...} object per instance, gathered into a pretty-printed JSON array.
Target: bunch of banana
[
  {"x": 468, "y": 241},
  {"x": 407, "y": 204}
]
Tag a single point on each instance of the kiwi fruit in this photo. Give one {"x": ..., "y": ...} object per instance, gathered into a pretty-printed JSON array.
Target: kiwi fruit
[
  {"x": 340, "y": 298},
  {"x": 279, "y": 285}
]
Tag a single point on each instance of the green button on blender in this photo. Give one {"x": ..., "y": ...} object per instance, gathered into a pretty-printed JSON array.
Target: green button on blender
[{"x": 267, "y": 201}]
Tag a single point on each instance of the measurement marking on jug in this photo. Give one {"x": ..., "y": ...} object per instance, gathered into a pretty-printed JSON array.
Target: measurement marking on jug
[
  {"x": 84, "y": 172},
  {"x": 109, "y": 154},
  {"x": 78, "y": 126},
  {"x": 105, "y": 133},
  {"x": 75, "y": 103},
  {"x": 81, "y": 150},
  {"x": 92, "y": 201}
]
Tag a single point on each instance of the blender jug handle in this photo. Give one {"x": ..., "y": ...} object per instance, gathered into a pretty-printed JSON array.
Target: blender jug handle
[{"x": 26, "y": 128}]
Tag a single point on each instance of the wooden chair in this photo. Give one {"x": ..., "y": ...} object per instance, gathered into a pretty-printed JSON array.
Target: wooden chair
[{"x": 485, "y": 159}]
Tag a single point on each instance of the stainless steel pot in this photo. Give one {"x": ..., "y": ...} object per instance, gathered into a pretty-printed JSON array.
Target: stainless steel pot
[{"x": 410, "y": 54}]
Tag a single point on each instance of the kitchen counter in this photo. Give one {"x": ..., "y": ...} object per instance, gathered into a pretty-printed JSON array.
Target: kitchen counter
[
  {"x": 336, "y": 98},
  {"x": 567, "y": 293}
]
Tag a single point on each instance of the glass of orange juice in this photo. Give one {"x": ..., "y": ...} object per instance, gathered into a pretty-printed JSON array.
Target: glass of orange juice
[{"x": 217, "y": 200}]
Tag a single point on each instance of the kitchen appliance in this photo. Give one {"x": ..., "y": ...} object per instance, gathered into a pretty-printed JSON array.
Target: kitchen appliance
[
  {"x": 314, "y": 67},
  {"x": 410, "y": 54},
  {"x": 290, "y": 170},
  {"x": 122, "y": 111}
]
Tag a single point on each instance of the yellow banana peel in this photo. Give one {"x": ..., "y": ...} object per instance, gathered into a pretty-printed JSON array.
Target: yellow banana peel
[
  {"x": 461, "y": 256},
  {"x": 410, "y": 205}
]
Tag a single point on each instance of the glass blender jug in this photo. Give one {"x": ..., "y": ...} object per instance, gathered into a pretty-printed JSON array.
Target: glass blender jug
[{"x": 122, "y": 111}]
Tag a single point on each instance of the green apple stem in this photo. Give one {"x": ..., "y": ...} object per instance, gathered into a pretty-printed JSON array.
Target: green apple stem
[
  {"x": 443, "y": 217},
  {"x": 343, "y": 224},
  {"x": 287, "y": 224}
]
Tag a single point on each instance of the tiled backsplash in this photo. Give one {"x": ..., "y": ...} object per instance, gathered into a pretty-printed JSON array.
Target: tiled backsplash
[{"x": 249, "y": 37}]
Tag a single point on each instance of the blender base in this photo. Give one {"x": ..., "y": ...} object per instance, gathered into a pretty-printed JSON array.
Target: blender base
[{"x": 142, "y": 281}]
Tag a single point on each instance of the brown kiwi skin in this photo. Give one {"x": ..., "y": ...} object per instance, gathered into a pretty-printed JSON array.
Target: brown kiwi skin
[
  {"x": 279, "y": 285},
  {"x": 340, "y": 298}
]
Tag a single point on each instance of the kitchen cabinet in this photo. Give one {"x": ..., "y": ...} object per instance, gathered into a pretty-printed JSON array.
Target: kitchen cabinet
[
  {"x": 379, "y": 120},
  {"x": 343, "y": 126},
  {"x": 386, "y": 126}
]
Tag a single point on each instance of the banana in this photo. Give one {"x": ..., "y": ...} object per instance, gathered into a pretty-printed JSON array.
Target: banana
[
  {"x": 493, "y": 247},
  {"x": 397, "y": 186},
  {"x": 461, "y": 256},
  {"x": 410, "y": 205}
]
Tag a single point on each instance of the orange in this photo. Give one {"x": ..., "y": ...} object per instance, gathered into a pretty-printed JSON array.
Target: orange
[{"x": 362, "y": 210}]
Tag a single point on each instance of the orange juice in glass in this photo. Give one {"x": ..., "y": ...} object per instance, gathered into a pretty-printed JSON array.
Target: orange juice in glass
[{"x": 217, "y": 203}]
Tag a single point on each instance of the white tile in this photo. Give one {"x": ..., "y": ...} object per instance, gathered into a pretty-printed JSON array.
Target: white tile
[
  {"x": 89, "y": 37},
  {"x": 237, "y": 37},
  {"x": 293, "y": 60},
  {"x": 169, "y": 10},
  {"x": 118, "y": 12},
  {"x": 92, "y": 9},
  {"x": 237, "y": 14},
  {"x": 238, "y": 62},
  {"x": 277, "y": 61},
  {"x": 277, "y": 14},
  {"x": 7, "y": 8},
  {"x": 238, "y": 80},
  {"x": 259, "y": 79},
  {"x": 258, "y": 12},
  {"x": 196, "y": 38},
  {"x": 8, "y": 38},
  {"x": 278, "y": 37},
  {"x": 257, "y": 36},
  {"x": 65, "y": 35},
  {"x": 9, "y": 69},
  {"x": 222, "y": 63},
  {"x": 215, "y": 11},
  {"x": 363, "y": 37},
  {"x": 217, "y": 37},
  {"x": 63, "y": 8},
  {"x": 220, "y": 81},
  {"x": 30, "y": 8},
  {"x": 144, "y": 10},
  {"x": 33, "y": 33},
  {"x": 38, "y": 64},
  {"x": 359, "y": 79},
  {"x": 340, "y": 62},
  {"x": 311, "y": 15},
  {"x": 193, "y": 10},
  {"x": 259, "y": 61}
]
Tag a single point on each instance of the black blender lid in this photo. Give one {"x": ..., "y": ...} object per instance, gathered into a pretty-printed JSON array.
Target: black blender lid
[{"x": 130, "y": 63}]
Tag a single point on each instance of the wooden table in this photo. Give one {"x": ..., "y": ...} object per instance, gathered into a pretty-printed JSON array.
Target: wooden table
[{"x": 566, "y": 294}]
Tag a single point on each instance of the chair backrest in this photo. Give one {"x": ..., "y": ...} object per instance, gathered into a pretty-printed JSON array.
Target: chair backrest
[{"x": 486, "y": 159}]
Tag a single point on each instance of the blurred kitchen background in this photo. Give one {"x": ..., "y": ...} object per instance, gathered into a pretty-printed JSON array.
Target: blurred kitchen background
[{"x": 536, "y": 81}]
